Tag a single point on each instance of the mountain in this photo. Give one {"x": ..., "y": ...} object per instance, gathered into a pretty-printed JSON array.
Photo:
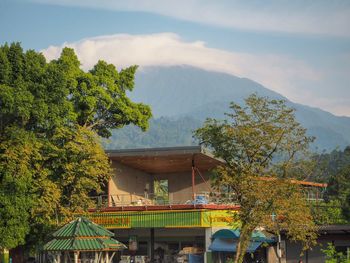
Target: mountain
[{"x": 182, "y": 97}]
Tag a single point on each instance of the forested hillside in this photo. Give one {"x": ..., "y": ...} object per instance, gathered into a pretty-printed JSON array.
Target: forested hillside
[{"x": 182, "y": 97}]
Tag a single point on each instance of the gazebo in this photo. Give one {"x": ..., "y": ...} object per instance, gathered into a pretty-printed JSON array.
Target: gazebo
[{"x": 81, "y": 241}]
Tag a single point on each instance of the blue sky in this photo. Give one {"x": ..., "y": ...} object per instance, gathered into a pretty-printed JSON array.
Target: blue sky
[{"x": 300, "y": 49}]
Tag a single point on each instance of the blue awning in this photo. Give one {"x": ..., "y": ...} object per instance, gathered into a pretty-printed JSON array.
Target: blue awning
[
  {"x": 257, "y": 236},
  {"x": 230, "y": 245}
]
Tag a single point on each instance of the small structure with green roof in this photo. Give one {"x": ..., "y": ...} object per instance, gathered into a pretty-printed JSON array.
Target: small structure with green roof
[{"x": 81, "y": 241}]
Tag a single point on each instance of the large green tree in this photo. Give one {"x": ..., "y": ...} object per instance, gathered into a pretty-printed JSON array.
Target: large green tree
[
  {"x": 262, "y": 144},
  {"x": 52, "y": 115}
]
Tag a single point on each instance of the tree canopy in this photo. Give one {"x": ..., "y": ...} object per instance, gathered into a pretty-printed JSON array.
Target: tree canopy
[
  {"x": 262, "y": 145},
  {"x": 52, "y": 115},
  {"x": 334, "y": 168}
]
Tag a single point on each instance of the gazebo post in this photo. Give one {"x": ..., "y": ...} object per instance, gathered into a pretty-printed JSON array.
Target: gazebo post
[
  {"x": 76, "y": 255},
  {"x": 110, "y": 260},
  {"x": 57, "y": 257},
  {"x": 65, "y": 260},
  {"x": 96, "y": 257},
  {"x": 107, "y": 257}
]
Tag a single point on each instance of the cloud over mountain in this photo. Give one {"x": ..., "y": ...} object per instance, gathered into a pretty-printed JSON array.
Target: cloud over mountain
[{"x": 167, "y": 49}]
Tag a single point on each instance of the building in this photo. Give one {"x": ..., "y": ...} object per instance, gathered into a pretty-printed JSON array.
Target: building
[{"x": 160, "y": 202}]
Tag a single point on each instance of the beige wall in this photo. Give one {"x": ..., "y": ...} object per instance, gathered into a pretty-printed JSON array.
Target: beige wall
[
  {"x": 180, "y": 185},
  {"x": 127, "y": 180}
]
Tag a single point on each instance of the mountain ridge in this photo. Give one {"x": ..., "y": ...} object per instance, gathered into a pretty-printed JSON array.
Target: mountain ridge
[{"x": 179, "y": 92}]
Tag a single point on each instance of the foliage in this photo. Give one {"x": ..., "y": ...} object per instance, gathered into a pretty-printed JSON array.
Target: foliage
[
  {"x": 332, "y": 256},
  {"x": 18, "y": 153},
  {"x": 328, "y": 212},
  {"x": 334, "y": 168},
  {"x": 51, "y": 114},
  {"x": 330, "y": 163},
  {"x": 262, "y": 145},
  {"x": 163, "y": 132}
]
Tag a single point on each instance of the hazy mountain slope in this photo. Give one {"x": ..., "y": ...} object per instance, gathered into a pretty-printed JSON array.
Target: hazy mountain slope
[
  {"x": 180, "y": 92},
  {"x": 164, "y": 131},
  {"x": 174, "y": 91}
]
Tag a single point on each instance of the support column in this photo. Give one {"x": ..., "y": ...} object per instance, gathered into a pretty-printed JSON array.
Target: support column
[
  {"x": 152, "y": 244},
  {"x": 76, "y": 255},
  {"x": 193, "y": 180},
  {"x": 96, "y": 257},
  {"x": 107, "y": 257},
  {"x": 110, "y": 260},
  {"x": 207, "y": 242}
]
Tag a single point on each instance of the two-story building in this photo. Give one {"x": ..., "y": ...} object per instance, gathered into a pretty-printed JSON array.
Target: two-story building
[{"x": 161, "y": 204}]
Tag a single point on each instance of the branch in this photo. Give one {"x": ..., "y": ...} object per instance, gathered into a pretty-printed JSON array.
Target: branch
[{"x": 274, "y": 149}]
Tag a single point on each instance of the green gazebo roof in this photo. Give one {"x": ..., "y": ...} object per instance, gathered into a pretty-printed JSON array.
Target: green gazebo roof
[
  {"x": 83, "y": 235},
  {"x": 93, "y": 244},
  {"x": 82, "y": 227}
]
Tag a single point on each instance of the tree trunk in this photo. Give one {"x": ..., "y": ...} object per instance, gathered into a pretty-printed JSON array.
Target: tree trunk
[
  {"x": 243, "y": 243},
  {"x": 5, "y": 255}
]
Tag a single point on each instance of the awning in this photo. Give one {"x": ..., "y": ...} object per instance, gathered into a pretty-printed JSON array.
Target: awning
[
  {"x": 257, "y": 236},
  {"x": 230, "y": 245},
  {"x": 225, "y": 240}
]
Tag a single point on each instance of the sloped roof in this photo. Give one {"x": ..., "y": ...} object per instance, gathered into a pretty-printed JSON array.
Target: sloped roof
[
  {"x": 82, "y": 227},
  {"x": 166, "y": 159},
  {"x": 76, "y": 244},
  {"x": 83, "y": 235}
]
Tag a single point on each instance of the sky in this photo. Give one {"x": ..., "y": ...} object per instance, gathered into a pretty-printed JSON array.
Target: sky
[{"x": 300, "y": 48}]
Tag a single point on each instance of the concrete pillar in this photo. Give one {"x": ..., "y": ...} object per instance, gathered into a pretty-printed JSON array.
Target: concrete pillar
[{"x": 207, "y": 242}]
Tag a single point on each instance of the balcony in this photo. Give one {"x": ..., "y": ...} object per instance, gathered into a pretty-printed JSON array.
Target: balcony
[{"x": 150, "y": 200}]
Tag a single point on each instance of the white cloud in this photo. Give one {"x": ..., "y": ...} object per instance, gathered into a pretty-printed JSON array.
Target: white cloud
[
  {"x": 288, "y": 76},
  {"x": 300, "y": 16},
  {"x": 168, "y": 49}
]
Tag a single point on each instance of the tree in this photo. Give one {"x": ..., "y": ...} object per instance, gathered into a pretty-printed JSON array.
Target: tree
[
  {"x": 262, "y": 144},
  {"x": 18, "y": 152},
  {"x": 334, "y": 168},
  {"x": 339, "y": 181},
  {"x": 332, "y": 256},
  {"x": 52, "y": 115}
]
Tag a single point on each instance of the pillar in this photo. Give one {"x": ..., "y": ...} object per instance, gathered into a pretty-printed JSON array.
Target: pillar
[
  {"x": 207, "y": 242},
  {"x": 76, "y": 255},
  {"x": 152, "y": 244}
]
